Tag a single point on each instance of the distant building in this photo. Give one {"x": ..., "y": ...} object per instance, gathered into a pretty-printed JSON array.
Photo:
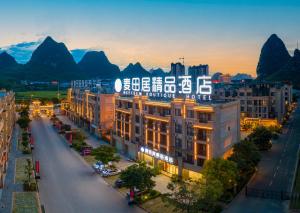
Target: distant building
[
  {"x": 91, "y": 105},
  {"x": 262, "y": 100},
  {"x": 7, "y": 122},
  {"x": 199, "y": 70},
  {"x": 176, "y": 135},
  {"x": 196, "y": 71},
  {"x": 225, "y": 78},
  {"x": 177, "y": 69}
]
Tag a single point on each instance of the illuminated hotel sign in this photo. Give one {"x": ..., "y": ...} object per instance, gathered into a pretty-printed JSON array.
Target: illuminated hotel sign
[
  {"x": 157, "y": 155},
  {"x": 166, "y": 87}
]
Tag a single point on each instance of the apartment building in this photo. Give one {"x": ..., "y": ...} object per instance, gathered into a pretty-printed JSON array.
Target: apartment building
[
  {"x": 91, "y": 108},
  {"x": 261, "y": 100},
  {"x": 7, "y": 121},
  {"x": 177, "y": 135}
]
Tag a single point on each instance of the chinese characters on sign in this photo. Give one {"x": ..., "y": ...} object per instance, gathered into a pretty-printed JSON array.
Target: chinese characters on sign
[
  {"x": 157, "y": 155},
  {"x": 167, "y": 87}
]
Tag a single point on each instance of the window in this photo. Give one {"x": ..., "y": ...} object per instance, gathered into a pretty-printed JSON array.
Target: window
[
  {"x": 137, "y": 106},
  {"x": 204, "y": 117},
  {"x": 189, "y": 159},
  {"x": 189, "y": 145},
  {"x": 200, "y": 161},
  {"x": 177, "y": 112},
  {"x": 190, "y": 130},
  {"x": 149, "y": 135},
  {"x": 166, "y": 112},
  {"x": 163, "y": 127},
  {"x": 190, "y": 113},
  {"x": 178, "y": 128},
  {"x": 137, "y": 130},
  {"x": 201, "y": 135},
  {"x": 163, "y": 150},
  {"x": 201, "y": 149},
  {"x": 242, "y": 93},
  {"x": 137, "y": 119},
  {"x": 150, "y": 124},
  {"x": 137, "y": 139},
  {"x": 126, "y": 137},
  {"x": 163, "y": 139},
  {"x": 178, "y": 142},
  {"x": 126, "y": 127},
  {"x": 129, "y": 105}
]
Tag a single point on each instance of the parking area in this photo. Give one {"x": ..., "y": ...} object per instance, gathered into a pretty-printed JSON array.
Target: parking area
[{"x": 160, "y": 180}]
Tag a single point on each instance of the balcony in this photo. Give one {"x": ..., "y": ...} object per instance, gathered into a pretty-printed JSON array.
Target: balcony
[
  {"x": 157, "y": 117},
  {"x": 203, "y": 125}
]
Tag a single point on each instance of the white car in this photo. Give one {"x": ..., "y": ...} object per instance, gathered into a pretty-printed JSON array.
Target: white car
[{"x": 110, "y": 172}]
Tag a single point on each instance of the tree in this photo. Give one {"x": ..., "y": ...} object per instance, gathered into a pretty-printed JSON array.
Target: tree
[
  {"x": 193, "y": 196},
  {"x": 261, "y": 137},
  {"x": 185, "y": 195},
  {"x": 246, "y": 156},
  {"x": 24, "y": 112},
  {"x": 105, "y": 154},
  {"x": 138, "y": 176},
  {"x": 220, "y": 169},
  {"x": 23, "y": 122}
]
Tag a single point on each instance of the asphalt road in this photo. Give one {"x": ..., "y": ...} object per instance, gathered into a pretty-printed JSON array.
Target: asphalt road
[
  {"x": 276, "y": 169},
  {"x": 275, "y": 172},
  {"x": 68, "y": 184}
]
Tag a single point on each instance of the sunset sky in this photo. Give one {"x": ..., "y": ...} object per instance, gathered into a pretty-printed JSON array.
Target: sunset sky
[{"x": 227, "y": 35}]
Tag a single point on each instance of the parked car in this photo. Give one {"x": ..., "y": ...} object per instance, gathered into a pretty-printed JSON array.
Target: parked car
[
  {"x": 119, "y": 183},
  {"x": 98, "y": 166},
  {"x": 110, "y": 172}
]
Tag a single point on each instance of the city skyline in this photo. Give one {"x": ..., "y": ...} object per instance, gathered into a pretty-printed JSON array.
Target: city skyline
[{"x": 156, "y": 33}]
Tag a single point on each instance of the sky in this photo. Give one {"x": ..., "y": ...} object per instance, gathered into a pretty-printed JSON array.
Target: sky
[{"x": 226, "y": 34}]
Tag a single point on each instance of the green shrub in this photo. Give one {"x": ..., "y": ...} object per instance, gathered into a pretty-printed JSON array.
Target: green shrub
[
  {"x": 147, "y": 196},
  {"x": 30, "y": 186},
  {"x": 78, "y": 145}
]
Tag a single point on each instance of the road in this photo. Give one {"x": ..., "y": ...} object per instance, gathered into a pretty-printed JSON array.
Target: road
[
  {"x": 275, "y": 172},
  {"x": 68, "y": 184}
]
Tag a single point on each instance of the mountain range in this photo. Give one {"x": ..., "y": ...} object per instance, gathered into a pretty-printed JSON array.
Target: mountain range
[
  {"x": 52, "y": 60},
  {"x": 276, "y": 64}
]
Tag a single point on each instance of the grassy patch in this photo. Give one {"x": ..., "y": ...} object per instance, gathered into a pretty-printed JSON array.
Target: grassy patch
[
  {"x": 20, "y": 176},
  {"x": 156, "y": 205},
  {"x": 25, "y": 202},
  {"x": 90, "y": 159},
  {"x": 27, "y": 95}
]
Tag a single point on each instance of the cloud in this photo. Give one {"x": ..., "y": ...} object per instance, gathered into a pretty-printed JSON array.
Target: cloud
[{"x": 21, "y": 51}]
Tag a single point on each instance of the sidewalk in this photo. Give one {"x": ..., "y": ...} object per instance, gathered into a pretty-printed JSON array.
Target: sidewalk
[
  {"x": 9, "y": 185},
  {"x": 95, "y": 142}
]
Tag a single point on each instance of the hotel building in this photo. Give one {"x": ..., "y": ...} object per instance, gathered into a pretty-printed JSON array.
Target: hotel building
[
  {"x": 7, "y": 121},
  {"x": 91, "y": 108},
  {"x": 176, "y": 135},
  {"x": 258, "y": 100}
]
